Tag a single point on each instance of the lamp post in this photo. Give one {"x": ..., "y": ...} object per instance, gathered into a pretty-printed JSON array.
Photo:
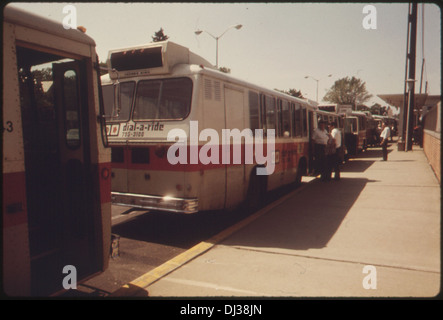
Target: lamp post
[
  {"x": 198, "y": 32},
  {"x": 317, "y": 80}
]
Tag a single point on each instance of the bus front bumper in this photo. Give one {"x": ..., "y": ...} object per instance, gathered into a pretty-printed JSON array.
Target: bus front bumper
[{"x": 166, "y": 203}]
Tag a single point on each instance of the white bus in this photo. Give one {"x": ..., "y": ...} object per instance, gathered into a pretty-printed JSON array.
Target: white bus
[
  {"x": 56, "y": 169},
  {"x": 162, "y": 87},
  {"x": 357, "y": 131}
]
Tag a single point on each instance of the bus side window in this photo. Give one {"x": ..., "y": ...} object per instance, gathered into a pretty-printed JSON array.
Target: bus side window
[
  {"x": 286, "y": 120},
  {"x": 262, "y": 114},
  {"x": 270, "y": 113},
  {"x": 298, "y": 121},
  {"x": 71, "y": 102},
  {"x": 279, "y": 119},
  {"x": 305, "y": 122},
  {"x": 254, "y": 112},
  {"x": 311, "y": 123}
]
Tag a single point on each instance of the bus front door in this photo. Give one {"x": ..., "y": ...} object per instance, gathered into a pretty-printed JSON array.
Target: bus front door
[
  {"x": 57, "y": 164},
  {"x": 76, "y": 177}
]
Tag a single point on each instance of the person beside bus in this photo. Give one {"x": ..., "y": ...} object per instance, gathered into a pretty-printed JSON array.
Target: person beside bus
[
  {"x": 384, "y": 135},
  {"x": 335, "y": 157},
  {"x": 320, "y": 138},
  {"x": 330, "y": 156}
]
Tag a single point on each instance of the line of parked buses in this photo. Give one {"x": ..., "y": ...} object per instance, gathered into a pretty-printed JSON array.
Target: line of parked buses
[
  {"x": 360, "y": 129},
  {"x": 73, "y": 144}
]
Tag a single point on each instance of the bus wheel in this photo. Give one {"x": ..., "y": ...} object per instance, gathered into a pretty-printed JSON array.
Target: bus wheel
[{"x": 256, "y": 192}]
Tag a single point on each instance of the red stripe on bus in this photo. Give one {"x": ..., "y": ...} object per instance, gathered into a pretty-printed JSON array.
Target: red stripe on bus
[
  {"x": 287, "y": 156},
  {"x": 14, "y": 199}
]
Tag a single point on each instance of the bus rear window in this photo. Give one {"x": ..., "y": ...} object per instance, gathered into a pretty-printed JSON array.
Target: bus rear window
[{"x": 163, "y": 99}]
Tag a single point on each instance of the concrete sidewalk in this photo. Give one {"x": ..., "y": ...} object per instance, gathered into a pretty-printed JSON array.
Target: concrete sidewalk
[{"x": 375, "y": 233}]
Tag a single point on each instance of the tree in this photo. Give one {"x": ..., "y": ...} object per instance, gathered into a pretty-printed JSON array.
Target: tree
[
  {"x": 159, "y": 36},
  {"x": 292, "y": 92},
  {"x": 348, "y": 91},
  {"x": 44, "y": 74}
]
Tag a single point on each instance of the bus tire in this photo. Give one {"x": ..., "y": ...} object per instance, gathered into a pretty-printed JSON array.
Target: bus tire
[{"x": 255, "y": 197}]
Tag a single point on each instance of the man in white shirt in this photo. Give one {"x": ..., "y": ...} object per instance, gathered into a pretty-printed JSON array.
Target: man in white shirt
[
  {"x": 320, "y": 135},
  {"x": 335, "y": 159},
  {"x": 320, "y": 138},
  {"x": 384, "y": 135}
]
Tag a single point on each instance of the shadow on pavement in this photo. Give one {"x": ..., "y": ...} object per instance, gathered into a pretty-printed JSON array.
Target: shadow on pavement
[
  {"x": 176, "y": 230},
  {"x": 307, "y": 220},
  {"x": 373, "y": 153},
  {"x": 362, "y": 161},
  {"x": 356, "y": 165}
]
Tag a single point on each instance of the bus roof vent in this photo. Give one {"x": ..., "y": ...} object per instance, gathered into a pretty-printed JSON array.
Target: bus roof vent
[{"x": 150, "y": 59}]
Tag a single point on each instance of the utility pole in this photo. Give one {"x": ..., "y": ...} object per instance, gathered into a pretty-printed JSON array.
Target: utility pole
[{"x": 409, "y": 94}]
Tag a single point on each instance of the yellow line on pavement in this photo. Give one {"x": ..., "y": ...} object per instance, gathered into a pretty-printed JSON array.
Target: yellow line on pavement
[{"x": 138, "y": 286}]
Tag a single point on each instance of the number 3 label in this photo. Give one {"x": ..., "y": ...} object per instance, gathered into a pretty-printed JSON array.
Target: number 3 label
[{"x": 9, "y": 126}]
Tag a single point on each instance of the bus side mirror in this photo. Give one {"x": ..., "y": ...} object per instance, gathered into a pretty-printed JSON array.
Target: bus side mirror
[{"x": 117, "y": 96}]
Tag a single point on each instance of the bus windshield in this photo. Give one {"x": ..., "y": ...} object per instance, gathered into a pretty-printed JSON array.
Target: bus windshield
[
  {"x": 126, "y": 97},
  {"x": 163, "y": 99}
]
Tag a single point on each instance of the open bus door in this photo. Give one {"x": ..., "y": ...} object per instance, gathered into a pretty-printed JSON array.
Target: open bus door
[
  {"x": 75, "y": 159},
  {"x": 58, "y": 162}
]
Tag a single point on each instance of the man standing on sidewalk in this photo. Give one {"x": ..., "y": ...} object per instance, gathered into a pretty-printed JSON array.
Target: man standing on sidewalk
[
  {"x": 320, "y": 138},
  {"x": 336, "y": 158},
  {"x": 384, "y": 135}
]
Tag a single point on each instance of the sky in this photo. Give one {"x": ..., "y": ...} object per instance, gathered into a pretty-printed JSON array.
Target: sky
[{"x": 280, "y": 43}]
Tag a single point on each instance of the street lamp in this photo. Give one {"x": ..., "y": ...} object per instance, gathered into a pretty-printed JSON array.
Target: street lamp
[
  {"x": 198, "y": 32},
  {"x": 317, "y": 80}
]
